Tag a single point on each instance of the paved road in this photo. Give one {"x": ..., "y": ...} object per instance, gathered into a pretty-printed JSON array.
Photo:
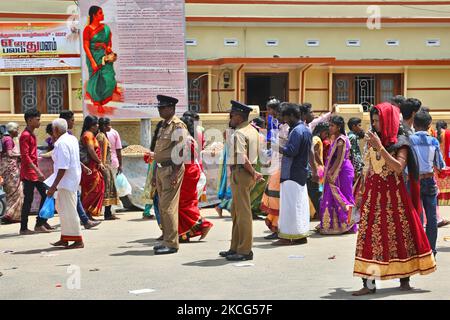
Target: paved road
[{"x": 118, "y": 257}]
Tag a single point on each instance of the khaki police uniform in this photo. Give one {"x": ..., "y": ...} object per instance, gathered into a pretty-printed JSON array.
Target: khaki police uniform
[
  {"x": 245, "y": 141},
  {"x": 169, "y": 195}
]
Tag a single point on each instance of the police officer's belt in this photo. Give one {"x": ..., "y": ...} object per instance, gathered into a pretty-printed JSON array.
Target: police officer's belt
[{"x": 167, "y": 163}]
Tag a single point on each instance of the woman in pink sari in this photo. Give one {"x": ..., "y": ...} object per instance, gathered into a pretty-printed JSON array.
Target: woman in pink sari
[{"x": 337, "y": 199}]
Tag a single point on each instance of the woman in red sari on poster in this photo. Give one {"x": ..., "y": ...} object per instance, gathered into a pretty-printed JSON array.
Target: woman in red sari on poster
[
  {"x": 190, "y": 223},
  {"x": 92, "y": 185},
  {"x": 97, "y": 45},
  {"x": 391, "y": 240}
]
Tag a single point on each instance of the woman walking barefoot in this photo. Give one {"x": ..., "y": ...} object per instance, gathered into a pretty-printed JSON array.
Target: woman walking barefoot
[{"x": 391, "y": 240}]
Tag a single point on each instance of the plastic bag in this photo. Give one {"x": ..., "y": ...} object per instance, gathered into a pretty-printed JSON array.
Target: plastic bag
[
  {"x": 48, "y": 209},
  {"x": 201, "y": 185},
  {"x": 122, "y": 185}
]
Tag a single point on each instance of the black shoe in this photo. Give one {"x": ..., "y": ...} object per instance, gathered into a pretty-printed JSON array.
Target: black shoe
[
  {"x": 159, "y": 246},
  {"x": 272, "y": 236},
  {"x": 166, "y": 250},
  {"x": 240, "y": 257},
  {"x": 226, "y": 253}
]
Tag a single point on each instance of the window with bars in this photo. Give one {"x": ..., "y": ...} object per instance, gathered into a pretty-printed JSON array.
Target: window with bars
[
  {"x": 198, "y": 92},
  {"x": 365, "y": 89},
  {"x": 46, "y": 93}
]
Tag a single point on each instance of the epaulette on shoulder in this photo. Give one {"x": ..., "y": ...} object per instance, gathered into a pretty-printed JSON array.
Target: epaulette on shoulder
[{"x": 180, "y": 125}]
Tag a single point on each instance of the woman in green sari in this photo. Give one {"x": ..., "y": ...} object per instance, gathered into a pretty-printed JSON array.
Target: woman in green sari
[
  {"x": 224, "y": 189},
  {"x": 99, "y": 58}
]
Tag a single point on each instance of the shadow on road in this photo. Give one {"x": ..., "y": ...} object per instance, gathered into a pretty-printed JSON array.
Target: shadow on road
[
  {"x": 342, "y": 294},
  {"x": 38, "y": 251},
  {"x": 261, "y": 239},
  {"x": 443, "y": 249},
  {"x": 148, "y": 241},
  {"x": 226, "y": 218},
  {"x": 12, "y": 235},
  {"x": 209, "y": 263},
  {"x": 9, "y": 235},
  {"x": 134, "y": 253},
  {"x": 140, "y": 220},
  {"x": 317, "y": 235},
  {"x": 267, "y": 246}
]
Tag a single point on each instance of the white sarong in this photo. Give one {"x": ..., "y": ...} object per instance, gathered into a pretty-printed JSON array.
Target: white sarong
[
  {"x": 294, "y": 211},
  {"x": 66, "y": 205}
]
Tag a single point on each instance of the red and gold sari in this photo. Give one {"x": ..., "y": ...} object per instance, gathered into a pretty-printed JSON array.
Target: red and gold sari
[
  {"x": 443, "y": 178},
  {"x": 391, "y": 240},
  {"x": 190, "y": 222},
  {"x": 93, "y": 185}
]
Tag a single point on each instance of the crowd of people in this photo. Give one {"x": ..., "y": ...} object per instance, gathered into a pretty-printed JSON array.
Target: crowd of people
[
  {"x": 289, "y": 168},
  {"x": 384, "y": 181}
]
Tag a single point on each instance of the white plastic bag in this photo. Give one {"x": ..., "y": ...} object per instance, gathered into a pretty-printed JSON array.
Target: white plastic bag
[
  {"x": 201, "y": 185},
  {"x": 122, "y": 185}
]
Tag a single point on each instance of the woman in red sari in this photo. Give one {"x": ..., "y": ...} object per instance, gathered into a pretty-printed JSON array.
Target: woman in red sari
[
  {"x": 391, "y": 240},
  {"x": 99, "y": 59},
  {"x": 443, "y": 177},
  {"x": 92, "y": 185},
  {"x": 190, "y": 222}
]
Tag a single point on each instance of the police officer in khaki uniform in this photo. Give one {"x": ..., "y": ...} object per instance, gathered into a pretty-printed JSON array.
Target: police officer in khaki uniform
[
  {"x": 169, "y": 172},
  {"x": 244, "y": 148}
]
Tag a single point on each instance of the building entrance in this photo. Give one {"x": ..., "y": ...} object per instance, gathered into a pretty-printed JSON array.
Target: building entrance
[{"x": 260, "y": 86}]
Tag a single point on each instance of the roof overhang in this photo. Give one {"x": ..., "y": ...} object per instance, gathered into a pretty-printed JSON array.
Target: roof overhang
[
  {"x": 314, "y": 61},
  {"x": 263, "y": 61}
]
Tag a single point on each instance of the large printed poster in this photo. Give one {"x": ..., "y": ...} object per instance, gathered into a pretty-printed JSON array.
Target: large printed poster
[
  {"x": 133, "y": 50},
  {"x": 39, "y": 47}
]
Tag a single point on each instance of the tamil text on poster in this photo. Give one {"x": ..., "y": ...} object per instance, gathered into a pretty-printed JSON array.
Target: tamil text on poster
[{"x": 34, "y": 47}]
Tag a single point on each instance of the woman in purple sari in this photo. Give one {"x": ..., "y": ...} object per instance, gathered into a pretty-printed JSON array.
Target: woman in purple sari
[{"x": 337, "y": 200}]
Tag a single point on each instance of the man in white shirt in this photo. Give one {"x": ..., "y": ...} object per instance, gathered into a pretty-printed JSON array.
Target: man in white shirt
[{"x": 65, "y": 180}]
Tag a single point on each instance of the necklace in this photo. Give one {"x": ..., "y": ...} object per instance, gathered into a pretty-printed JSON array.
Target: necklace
[{"x": 376, "y": 160}]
